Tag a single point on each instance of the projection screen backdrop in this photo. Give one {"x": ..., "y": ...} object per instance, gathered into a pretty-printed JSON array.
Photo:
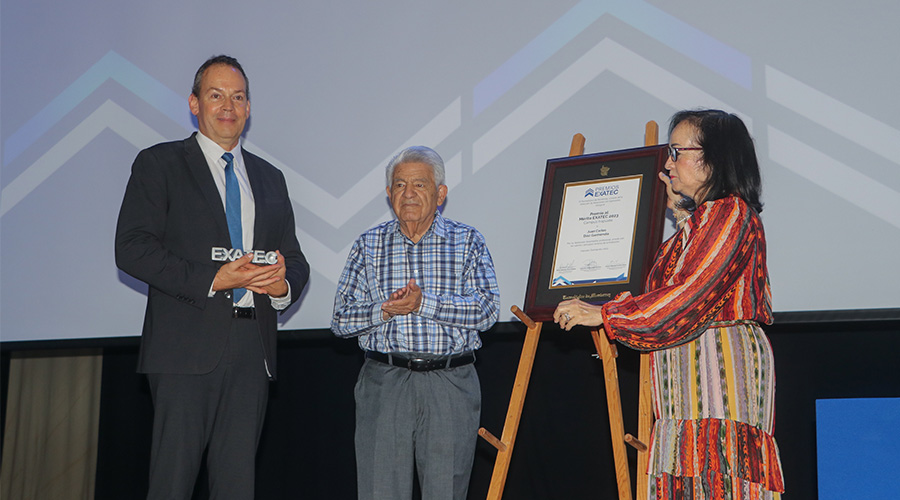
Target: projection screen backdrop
[{"x": 495, "y": 87}]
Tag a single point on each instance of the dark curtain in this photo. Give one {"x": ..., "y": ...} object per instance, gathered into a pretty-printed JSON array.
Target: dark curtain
[{"x": 563, "y": 448}]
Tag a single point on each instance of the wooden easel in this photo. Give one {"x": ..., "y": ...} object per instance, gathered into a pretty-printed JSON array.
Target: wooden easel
[{"x": 608, "y": 354}]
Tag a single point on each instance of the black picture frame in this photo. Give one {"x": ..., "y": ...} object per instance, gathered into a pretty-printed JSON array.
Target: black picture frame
[{"x": 646, "y": 162}]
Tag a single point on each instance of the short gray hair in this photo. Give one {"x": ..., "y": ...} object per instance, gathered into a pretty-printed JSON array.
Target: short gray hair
[{"x": 417, "y": 154}]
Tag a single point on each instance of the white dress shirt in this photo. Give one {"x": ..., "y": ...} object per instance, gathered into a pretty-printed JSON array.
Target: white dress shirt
[{"x": 213, "y": 153}]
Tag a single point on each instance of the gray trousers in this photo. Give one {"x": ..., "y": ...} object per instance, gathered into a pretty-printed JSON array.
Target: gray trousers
[
  {"x": 423, "y": 421},
  {"x": 221, "y": 412}
]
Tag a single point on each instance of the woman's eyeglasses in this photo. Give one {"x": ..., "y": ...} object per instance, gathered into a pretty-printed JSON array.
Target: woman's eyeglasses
[{"x": 673, "y": 151}]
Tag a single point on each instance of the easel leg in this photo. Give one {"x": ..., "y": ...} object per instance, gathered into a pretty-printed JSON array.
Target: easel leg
[
  {"x": 516, "y": 402},
  {"x": 614, "y": 403},
  {"x": 645, "y": 403},
  {"x": 645, "y": 422}
]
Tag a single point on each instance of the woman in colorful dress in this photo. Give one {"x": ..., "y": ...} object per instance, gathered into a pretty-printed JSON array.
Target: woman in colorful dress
[{"x": 705, "y": 298}]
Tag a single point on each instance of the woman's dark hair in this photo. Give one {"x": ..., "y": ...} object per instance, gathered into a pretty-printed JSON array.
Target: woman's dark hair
[{"x": 728, "y": 153}]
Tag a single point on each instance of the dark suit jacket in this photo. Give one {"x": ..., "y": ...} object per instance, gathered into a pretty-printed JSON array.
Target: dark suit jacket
[{"x": 171, "y": 217}]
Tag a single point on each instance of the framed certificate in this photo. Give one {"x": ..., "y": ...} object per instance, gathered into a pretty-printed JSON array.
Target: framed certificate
[{"x": 599, "y": 226}]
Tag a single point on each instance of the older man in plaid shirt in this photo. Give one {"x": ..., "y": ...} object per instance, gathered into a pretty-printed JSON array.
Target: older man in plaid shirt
[{"x": 416, "y": 291}]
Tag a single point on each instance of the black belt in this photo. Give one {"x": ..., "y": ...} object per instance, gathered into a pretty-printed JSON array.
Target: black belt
[
  {"x": 422, "y": 364},
  {"x": 243, "y": 312}
]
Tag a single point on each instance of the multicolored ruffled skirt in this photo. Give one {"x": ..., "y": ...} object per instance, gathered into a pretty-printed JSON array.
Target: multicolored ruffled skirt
[{"x": 714, "y": 404}]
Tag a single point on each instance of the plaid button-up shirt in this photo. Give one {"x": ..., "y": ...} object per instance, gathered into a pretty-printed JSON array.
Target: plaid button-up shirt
[{"x": 453, "y": 267}]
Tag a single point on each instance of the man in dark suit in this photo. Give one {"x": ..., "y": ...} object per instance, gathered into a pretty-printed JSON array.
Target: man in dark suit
[{"x": 208, "y": 341}]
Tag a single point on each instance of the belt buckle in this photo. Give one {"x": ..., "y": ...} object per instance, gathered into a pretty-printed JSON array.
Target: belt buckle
[{"x": 243, "y": 312}]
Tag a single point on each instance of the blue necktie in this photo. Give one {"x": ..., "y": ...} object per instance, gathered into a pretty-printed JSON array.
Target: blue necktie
[{"x": 233, "y": 212}]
